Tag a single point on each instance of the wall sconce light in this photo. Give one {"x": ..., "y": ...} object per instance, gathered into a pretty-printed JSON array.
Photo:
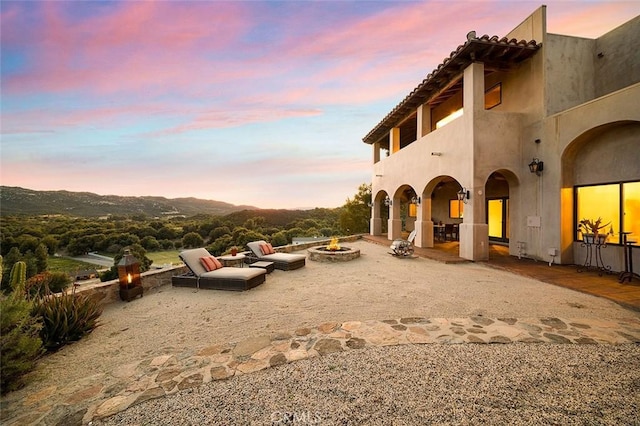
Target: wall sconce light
[
  {"x": 416, "y": 200},
  {"x": 129, "y": 277},
  {"x": 463, "y": 195},
  {"x": 387, "y": 201},
  {"x": 536, "y": 166}
]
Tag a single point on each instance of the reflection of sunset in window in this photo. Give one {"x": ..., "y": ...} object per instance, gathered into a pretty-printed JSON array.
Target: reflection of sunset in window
[
  {"x": 413, "y": 210},
  {"x": 603, "y": 201},
  {"x": 449, "y": 118},
  {"x": 456, "y": 209},
  {"x": 631, "y": 209}
]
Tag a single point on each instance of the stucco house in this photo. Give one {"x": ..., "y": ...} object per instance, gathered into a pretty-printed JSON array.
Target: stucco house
[{"x": 515, "y": 140}]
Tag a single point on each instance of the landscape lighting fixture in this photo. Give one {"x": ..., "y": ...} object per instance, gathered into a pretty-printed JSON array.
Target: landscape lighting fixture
[
  {"x": 536, "y": 166},
  {"x": 129, "y": 277},
  {"x": 463, "y": 195}
]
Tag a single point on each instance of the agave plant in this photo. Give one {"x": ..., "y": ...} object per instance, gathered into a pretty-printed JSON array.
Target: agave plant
[{"x": 66, "y": 318}]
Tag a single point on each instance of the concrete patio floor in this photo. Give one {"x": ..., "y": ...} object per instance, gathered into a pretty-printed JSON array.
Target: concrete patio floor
[{"x": 626, "y": 294}]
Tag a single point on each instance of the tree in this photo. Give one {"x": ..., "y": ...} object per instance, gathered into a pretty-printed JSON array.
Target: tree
[
  {"x": 28, "y": 243},
  {"x": 51, "y": 243},
  {"x": 192, "y": 240},
  {"x": 150, "y": 243},
  {"x": 355, "y": 215},
  {"x": 219, "y": 232},
  {"x": 166, "y": 233},
  {"x": 279, "y": 239},
  {"x": 41, "y": 258}
]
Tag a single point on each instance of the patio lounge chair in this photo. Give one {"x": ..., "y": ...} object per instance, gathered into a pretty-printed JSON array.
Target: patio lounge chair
[
  {"x": 403, "y": 248},
  {"x": 223, "y": 278},
  {"x": 282, "y": 261}
]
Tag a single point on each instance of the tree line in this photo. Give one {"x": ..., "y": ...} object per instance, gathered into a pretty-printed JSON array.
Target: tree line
[{"x": 33, "y": 238}]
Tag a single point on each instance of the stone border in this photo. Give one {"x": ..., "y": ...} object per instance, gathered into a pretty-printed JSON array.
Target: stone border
[
  {"x": 106, "y": 394},
  {"x": 319, "y": 255}
]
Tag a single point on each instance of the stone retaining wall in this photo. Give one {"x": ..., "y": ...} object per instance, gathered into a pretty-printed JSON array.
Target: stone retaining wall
[{"x": 109, "y": 291}]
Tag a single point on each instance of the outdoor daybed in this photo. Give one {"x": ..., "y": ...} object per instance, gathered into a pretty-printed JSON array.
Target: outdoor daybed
[
  {"x": 221, "y": 278},
  {"x": 261, "y": 250}
]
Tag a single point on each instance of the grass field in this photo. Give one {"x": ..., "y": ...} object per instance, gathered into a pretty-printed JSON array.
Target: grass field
[
  {"x": 164, "y": 257},
  {"x": 70, "y": 266}
]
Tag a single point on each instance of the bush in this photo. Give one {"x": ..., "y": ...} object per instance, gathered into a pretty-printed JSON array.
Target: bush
[
  {"x": 66, "y": 318},
  {"x": 20, "y": 343},
  {"x": 109, "y": 274},
  {"x": 47, "y": 282}
]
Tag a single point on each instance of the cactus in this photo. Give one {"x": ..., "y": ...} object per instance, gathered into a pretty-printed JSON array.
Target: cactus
[{"x": 18, "y": 277}]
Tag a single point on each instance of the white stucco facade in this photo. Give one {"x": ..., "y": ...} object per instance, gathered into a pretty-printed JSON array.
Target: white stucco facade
[{"x": 563, "y": 100}]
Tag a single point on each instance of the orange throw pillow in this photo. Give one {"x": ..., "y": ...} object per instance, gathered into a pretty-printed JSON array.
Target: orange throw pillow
[
  {"x": 267, "y": 249},
  {"x": 210, "y": 263}
]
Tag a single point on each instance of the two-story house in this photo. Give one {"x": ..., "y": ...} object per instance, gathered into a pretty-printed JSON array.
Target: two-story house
[{"x": 515, "y": 140}]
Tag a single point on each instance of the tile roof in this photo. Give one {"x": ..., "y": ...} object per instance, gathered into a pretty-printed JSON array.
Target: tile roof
[{"x": 496, "y": 53}]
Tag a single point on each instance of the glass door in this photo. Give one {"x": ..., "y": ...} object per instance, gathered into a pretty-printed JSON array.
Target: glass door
[{"x": 498, "y": 219}]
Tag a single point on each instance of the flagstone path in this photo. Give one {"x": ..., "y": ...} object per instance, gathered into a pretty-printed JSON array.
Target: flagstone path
[{"x": 135, "y": 381}]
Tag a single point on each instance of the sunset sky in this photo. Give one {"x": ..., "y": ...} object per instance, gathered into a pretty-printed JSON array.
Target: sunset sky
[{"x": 249, "y": 102}]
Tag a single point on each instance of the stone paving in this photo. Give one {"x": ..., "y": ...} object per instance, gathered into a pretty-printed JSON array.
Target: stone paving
[{"x": 103, "y": 395}]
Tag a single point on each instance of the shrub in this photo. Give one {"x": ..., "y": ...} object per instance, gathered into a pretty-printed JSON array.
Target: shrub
[
  {"x": 20, "y": 343},
  {"x": 66, "y": 318},
  {"x": 47, "y": 282},
  {"x": 109, "y": 274}
]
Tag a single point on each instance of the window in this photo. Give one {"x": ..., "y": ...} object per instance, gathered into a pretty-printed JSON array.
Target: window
[
  {"x": 413, "y": 210},
  {"x": 456, "y": 209},
  {"x": 449, "y": 118},
  {"x": 617, "y": 204},
  {"x": 493, "y": 96}
]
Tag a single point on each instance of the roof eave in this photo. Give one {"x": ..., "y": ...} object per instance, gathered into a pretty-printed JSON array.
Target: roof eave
[{"x": 486, "y": 49}]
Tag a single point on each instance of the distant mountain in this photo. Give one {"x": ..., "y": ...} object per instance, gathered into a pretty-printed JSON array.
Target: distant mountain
[{"x": 15, "y": 200}]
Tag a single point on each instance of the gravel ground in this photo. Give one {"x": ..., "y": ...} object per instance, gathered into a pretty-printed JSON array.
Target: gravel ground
[
  {"x": 516, "y": 384},
  {"x": 436, "y": 383}
]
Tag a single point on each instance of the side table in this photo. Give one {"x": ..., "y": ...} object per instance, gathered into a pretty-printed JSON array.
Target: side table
[
  {"x": 594, "y": 255},
  {"x": 229, "y": 260},
  {"x": 627, "y": 246}
]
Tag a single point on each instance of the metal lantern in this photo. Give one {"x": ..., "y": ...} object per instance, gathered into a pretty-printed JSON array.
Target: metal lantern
[{"x": 129, "y": 277}]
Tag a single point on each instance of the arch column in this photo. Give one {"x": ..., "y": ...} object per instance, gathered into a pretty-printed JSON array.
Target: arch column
[
  {"x": 424, "y": 228},
  {"x": 395, "y": 221},
  {"x": 375, "y": 225},
  {"x": 474, "y": 231}
]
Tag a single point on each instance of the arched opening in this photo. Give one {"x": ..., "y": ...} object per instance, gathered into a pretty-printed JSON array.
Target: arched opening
[
  {"x": 601, "y": 180},
  {"x": 380, "y": 213},
  {"x": 405, "y": 211},
  {"x": 498, "y": 206}
]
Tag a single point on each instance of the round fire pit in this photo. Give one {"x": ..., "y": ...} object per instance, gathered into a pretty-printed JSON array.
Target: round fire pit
[{"x": 343, "y": 254}]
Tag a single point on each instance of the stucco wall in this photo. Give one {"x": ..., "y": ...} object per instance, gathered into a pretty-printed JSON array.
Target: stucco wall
[
  {"x": 569, "y": 72},
  {"x": 617, "y": 62}
]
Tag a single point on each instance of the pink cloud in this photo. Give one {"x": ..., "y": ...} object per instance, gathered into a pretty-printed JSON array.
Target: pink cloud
[
  {"x": 230, "y": 117},
  {"x": 140, "y": 45}
]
